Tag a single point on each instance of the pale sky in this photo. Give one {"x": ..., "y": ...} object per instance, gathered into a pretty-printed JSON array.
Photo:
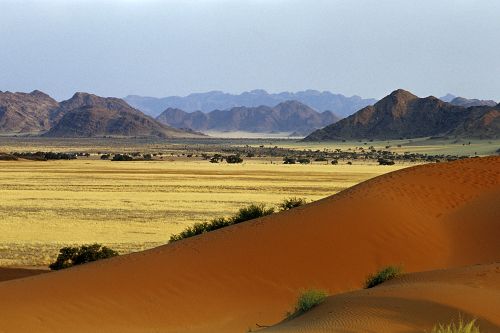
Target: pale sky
[{"x": 176, "y": 47}]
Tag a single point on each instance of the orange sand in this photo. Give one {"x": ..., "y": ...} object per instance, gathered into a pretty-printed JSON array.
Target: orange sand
[{"x": 426, "y": 217}]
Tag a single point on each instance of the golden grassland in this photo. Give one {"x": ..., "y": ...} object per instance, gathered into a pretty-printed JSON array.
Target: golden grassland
[{"x": 136, "y": 205}]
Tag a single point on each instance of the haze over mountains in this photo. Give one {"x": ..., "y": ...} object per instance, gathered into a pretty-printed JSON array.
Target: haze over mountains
[
  {"x": 404, "y": 115},
  {"x": 84, "y": 115},
  {"x": 290, "y": 116},
  {"x": 218, "y": 100}
]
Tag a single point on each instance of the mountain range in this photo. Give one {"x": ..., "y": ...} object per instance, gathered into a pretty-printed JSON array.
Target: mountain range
[
  {"x": 404, "y": 115},
  {"x": 290, "y": 116},
  {"x": 218, "y": 100},
  {"x": 83, "y": 115}
]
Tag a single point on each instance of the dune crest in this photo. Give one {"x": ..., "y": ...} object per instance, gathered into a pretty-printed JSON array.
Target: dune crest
[{"x": 426, "y": 217}]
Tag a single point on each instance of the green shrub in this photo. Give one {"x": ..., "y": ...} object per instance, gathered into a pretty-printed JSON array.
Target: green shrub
[
  {"x": 234, "y": 159},
  {"x": 461, "y": 327},
  {"x": 251, "y": 212},
  {"x": 387, "y": 273},
  {"x": 308, "y": 300},
  {"x": 71, "y": 256},
  {"x": 244, "y": 214},
  {"x": 291, "y": 203}
]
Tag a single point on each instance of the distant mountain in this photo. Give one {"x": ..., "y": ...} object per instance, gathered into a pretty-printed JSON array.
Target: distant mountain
[
  {"x": 447, "y": 98},
  {"x": 87, "y": 115},
  {"x": 26, "y": 113},
  {"x": 404, "y": 115},
  {"x": 217, "y": 100},
  {"x": 460, "y": 101},
  {"x": 289, "y": 116}
]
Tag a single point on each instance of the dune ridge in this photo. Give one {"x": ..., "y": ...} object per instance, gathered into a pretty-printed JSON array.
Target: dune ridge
[{"x": 425, "y": 217}]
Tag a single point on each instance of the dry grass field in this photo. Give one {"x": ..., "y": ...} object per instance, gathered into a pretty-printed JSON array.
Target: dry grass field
[{"x": 136, "y": 205}]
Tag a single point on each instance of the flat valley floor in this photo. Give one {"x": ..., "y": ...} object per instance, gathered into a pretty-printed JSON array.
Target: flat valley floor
[{"x": 132, "y": 206}]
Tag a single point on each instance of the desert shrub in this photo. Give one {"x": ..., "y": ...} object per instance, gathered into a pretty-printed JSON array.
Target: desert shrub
[
  {"x": 71, "y": 256},
  {"x": 234, "y": 159},
  {"x": 122, "y": 157},
  {"x": 289, "y": 160},
  {"x": 308, "y": 300},
  {"x": 461, "y": 327},
  {"x": 385, "y": 161},
  {"x": 291, "y": 203},
  {"x": 105, "y": 157},
  {"x": 334, "y": 162},
  {"x": 386, "y": 273},
  {"x": 251, "y": 212},
  {"x": 304, "y": 160},
  {"x": 244, "y": 214}
]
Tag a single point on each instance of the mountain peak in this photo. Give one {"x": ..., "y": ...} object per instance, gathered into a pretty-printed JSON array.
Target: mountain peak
[{"x": 401, "y": 94}]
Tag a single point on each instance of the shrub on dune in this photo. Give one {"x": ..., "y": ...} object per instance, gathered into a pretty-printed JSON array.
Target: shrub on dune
[
  {"x": 308, "y": 300},
  {"x": 385, "y": 274},
  {"x": 461, "y": 327},
  {"x": 291, "y": 203},
  {"x": 248, "y": 213},
  {"x": 71, "y": 256},
  {"x": 251, "y": 212}
]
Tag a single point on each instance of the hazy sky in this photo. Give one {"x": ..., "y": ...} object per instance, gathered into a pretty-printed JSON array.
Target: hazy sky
[{"x": 175, "y": 47}]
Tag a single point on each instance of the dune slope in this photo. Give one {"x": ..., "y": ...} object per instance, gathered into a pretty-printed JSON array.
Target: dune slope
[
  {"x": 413, "y": 303},
  {"x": 426, "y": 217}
]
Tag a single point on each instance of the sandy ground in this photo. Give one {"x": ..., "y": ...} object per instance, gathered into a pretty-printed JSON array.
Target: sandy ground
[
  {"x": 413, "y": 303},
  {"x": 426, "y": 217}
]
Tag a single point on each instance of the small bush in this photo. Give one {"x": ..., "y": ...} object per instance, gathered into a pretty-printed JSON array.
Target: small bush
[
  {"x": 234, "y": 159},
  {"x": 461, "y": 327},
  {"x": 387, "y": 273},
  {"x": 71, "y": 256},
  {"x": 291, "y": 203},
  {"x": 251, "y": 212},
  {"x": 124, "y": 157},
  {"x": 244, "y": 214},
  {"x": 385, "y": 161},
  {"x": 308, "y": 300}
]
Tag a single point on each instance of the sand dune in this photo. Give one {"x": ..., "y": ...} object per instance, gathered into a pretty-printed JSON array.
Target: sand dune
[
  {"x": 413, "y": 303},
  {"x": 11, "y": 273},
  {"x": 426, "y": 217}
]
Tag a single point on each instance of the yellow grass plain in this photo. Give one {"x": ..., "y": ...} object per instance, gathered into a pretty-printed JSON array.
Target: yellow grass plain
[{"x": 132, "y": 206}]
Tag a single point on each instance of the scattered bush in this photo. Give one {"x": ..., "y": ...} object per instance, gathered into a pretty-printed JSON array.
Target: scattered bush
[
  {"x": 461, "y": 327},
  {"x": 71, "y": 256},
  {"x": 244, "y": 214},
  {"x": 234, "y": 159},
  {"x": 251, "y": 212},
  {"x": 289, "y": 160},
  {"x": 122, "y": 157},
  {"x": 308, "y": 300},
  {"x": 304, "y": 160},
  {"x": 105, "y": 157},
  {"x": 334, "y": 162},
  {"x": 387, "y": 273},
  {"x": 291, "y": 203},
  {"x": 385, "y": 161}
]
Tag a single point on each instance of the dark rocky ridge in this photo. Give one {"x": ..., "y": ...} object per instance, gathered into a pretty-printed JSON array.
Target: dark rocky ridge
[
  {"x": 26, "y": 112},
  {"x": 84, "y": 115},
  {"x": 404, "y": 115}
]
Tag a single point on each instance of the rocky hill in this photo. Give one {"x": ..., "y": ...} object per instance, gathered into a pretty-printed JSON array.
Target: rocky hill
[
  {"x": 289, "y": 116},
  {"x": 87, "y": 115},
  {"x": 465, "y": 102},
  {"x": 218, "y": 100},
  {"x": 26, "y": 112},
  {"x": 404, "y": 115}
]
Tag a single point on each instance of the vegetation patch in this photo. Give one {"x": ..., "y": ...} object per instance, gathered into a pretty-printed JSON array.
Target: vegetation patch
[
  {"x": 385, "y": 274},
  {"x": 248, "y": 213},
  {"x": 308, "y": 300},
  {"x": 72, "y": 256},
  {"x": 461, "y": 327}
]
